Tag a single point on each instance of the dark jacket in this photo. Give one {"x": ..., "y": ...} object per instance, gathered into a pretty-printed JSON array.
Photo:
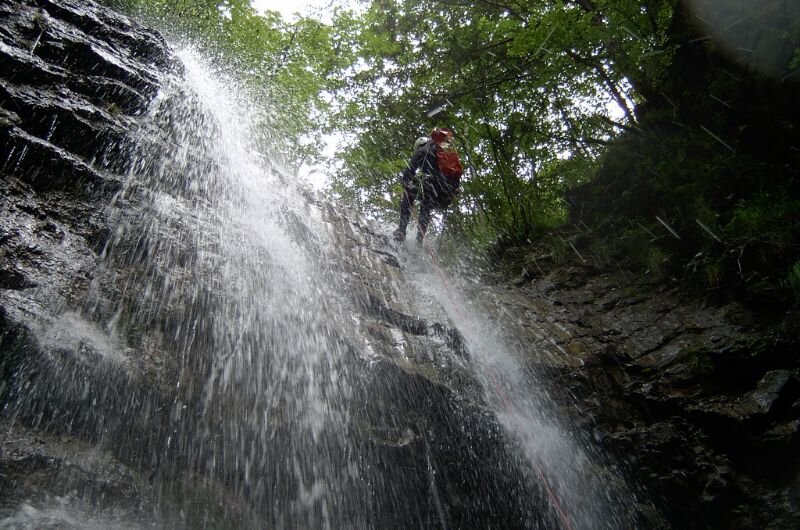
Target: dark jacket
[
  {"x": 423, "y": 159},
  {"x": 436, "y": 190}
]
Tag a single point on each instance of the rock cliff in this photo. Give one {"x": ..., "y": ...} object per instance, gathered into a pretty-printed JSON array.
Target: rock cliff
[
  {"x": 106, "y": 422},
  {"x": 695, "y": 404},
  {"x": 700, "y": 399}
]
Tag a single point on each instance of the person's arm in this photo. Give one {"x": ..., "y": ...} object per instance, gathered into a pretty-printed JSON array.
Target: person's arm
[{"x": 413, "y": 165}]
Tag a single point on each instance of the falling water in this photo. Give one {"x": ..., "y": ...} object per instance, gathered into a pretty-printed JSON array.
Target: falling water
[
  {"x": 259, "y": 342},
  {"x": 246, "y": 403},
  {"x": 580, "y": 493}
]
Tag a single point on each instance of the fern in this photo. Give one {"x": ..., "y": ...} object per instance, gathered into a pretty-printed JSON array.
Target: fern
[{"x": 792, "y": 280}]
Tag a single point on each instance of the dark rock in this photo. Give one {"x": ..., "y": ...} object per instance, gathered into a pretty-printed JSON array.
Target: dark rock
[
  {"x": 68, "y": 96},
  {"x": 698, "y": 403},
  {"x": 33, "y": 463},
  {"x": 75, "y": 79},
  {"x": 699, "y": 399},
  {"x": 767, "y": 393}
]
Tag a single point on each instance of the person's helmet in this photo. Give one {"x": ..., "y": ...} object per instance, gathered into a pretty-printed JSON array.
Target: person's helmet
[{"x": 422, "y": 140}]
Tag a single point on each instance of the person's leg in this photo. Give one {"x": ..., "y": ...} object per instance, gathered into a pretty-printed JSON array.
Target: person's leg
[
  {"x": 406, "y": 202},
  {"x": 424, "y": 218}
]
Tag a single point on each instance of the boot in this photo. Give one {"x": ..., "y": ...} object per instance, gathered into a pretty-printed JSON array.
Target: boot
[{"x": 399, "y": 235}]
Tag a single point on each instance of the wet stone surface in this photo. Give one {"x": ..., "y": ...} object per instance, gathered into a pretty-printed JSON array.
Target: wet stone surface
[
  {"x": 76, "y": 82},
  {"x": 699, "y": 400},
  {"x": 698, "y": 403}
]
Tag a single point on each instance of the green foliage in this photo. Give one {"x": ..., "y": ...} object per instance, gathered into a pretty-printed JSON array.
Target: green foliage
[
  {"x": 764, "y": 233},
  {"x": 618, "y": 106},
  {"x": 534, "y": 92},
  {"x": 792, "y": 281},
  {"x": 769, "y": 218},
  {"x": 284, "y": 66},
  {"x": 636, "y": 247},
  {"x": 529, "y": 89},
  {"x": 558, "y": 247},
  {"x": 794, "y": 63}
]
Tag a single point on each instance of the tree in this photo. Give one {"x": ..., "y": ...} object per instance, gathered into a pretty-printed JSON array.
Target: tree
[
  {"x": 286, "y": 66},
  {"x": 535, "y": 90}
]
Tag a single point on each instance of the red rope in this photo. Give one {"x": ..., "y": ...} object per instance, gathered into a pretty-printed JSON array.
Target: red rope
[{"x": 498, "y": 389}]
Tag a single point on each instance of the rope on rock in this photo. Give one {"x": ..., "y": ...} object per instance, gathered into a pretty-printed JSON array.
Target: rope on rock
[{"x": 565, "y": 522}]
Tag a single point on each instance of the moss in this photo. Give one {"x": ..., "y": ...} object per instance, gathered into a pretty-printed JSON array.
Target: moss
[
  {"x": 769, "y": 217},
  {"x": 656, "y": 260},
  {"x": 699, "y": 362},
  {"x": 791, "y": 281}
]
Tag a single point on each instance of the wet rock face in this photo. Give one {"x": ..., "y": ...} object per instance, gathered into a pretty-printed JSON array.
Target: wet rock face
[
  {"x": 75, "y": 81},
  {"x": 75, "y": 78},
  {"x": 701, "y": 401},
  {"x": 419, "y": 408}
]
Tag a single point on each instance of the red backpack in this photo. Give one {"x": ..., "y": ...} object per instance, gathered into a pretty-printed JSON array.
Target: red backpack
[{"x": 446, "y": 155}]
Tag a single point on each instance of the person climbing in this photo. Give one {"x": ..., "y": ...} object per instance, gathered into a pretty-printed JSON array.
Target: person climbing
[{"x": 437, "y": 183}]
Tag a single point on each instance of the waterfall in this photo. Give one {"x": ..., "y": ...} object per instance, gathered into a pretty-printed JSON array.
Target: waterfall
[
  {"x": 260, "y": 379},
  {"x": 580, "y": 492},
  {"x": 237, "y": 264}
]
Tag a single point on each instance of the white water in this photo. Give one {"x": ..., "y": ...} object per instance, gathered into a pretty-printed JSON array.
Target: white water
[
  {"x": 578, "y": 491},
  {"x": 215, "y": 271},
  {"x": 60, "y": 514},
  {"x": 273, "y": 390}
]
